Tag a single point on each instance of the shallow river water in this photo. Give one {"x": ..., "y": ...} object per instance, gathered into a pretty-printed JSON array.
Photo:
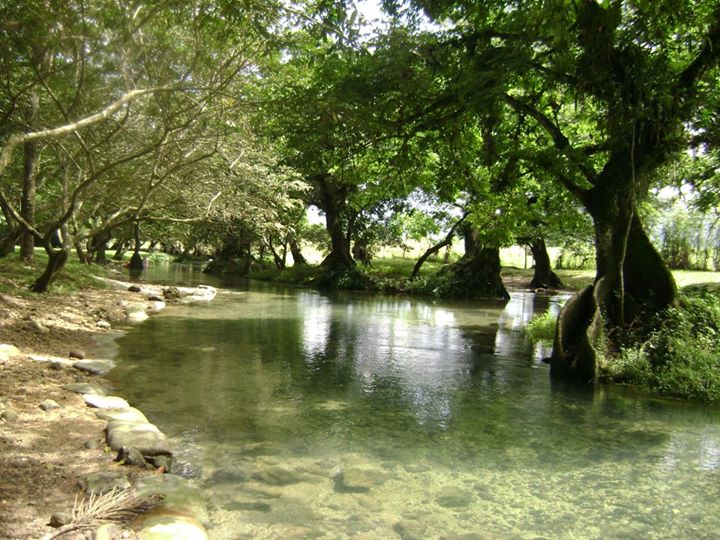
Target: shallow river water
[{"x": 305, "y": 415}]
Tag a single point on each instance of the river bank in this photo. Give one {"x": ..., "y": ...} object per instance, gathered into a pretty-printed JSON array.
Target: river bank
[{"x": 46, "y": 449}]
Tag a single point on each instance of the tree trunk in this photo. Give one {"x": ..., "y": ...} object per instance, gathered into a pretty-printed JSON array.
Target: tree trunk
[
  {"x": 136, "y": 262},
  {"x": 99, "y": 243},
  {"x": 298, "y": 258},
  {"x": 447, "y": 241},
  {"x": 339, "y": 258},
  {"x": 27, "y": 201},
  {"x": 543, "y": 276},
  {"x": 333, "y": 201},
  {"x": 477, "y": 274},
  {"x": 631, "y": 285},
  {"x": 56, "y": 262},
  {"x": 7, "y": 243},
  {"x": 119, "y": 250}
]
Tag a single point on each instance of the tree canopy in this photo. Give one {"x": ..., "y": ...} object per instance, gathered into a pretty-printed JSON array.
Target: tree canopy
[{"x": 229, "y": 118}]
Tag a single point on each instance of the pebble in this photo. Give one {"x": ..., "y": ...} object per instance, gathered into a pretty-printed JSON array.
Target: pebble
[
  {"x": 9, "y": 415},
  {"x": 80, "y": 355},
  {"x": 103, "y": 324},
  {"x": 58, "y": 519},
  {"x": 49, "y": 405}
]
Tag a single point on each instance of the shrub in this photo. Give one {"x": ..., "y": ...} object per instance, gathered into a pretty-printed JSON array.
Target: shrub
[
  {"x": 681, "y": 358},
  {"x": 542, "y": 327}
]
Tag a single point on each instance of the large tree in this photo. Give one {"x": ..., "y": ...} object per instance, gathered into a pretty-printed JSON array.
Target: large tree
[
  {"x": 614, "y": 90},
  {"x": 138, "y": 117}
]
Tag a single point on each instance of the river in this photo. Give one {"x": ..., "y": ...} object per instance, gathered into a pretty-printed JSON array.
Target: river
[{"x": 309, "y": 415}]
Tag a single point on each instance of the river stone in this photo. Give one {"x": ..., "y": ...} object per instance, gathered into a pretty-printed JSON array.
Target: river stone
[
  {"x": 278, "y": 476},
  {"x": 130, "y": 456},
  {"x": 96, "y": 367},
  {"x": 102, "y": 482},
  {"x": 136, "y": 314},
  {"x": 103, "y": 324},
  {"x": 356, "y": 480},
  {"x": 410, "y": 530},
  {"x": 49, "y": 405},
  {"x": 91, "y": 445},
  {"x": 177, "y": 493},
  {"x": 7, "y": 351},
  {"x": 171, "y": 294},
  {"x": 147, "y": 438},
  {"x": 134, "y": 288},
  {"x": 127, "y": 414},
  {"x": 86, "y": 388},
  {"x": 156, "y": 305},
  {"x": 105, "y": 402},
  {"x": 160, "y": 461},
  {"x": 77, "y": 353},
  {"x": 454, "y": 497},
  {"x": 171, "y": 527}
]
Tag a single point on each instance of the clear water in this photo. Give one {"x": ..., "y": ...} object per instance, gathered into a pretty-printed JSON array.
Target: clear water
[{"x": 303, "y": 415}]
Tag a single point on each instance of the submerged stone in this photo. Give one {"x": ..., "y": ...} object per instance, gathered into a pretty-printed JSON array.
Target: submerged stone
[
  {"x": 171, "y": 527},
  {"x": 454, "y": 497},
  {"x": 357, "y": 480},
  {"x": 177, "y": 493},
  {"x": 278, "y": 476}
]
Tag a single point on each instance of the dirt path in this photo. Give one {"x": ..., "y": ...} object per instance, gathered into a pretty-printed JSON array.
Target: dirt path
[{"x": 44, "y": 454}]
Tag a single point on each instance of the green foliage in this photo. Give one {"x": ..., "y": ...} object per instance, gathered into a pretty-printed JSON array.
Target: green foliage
[
  {"x": 542, "y": 327},
  {"x": 681, "y": 358}
]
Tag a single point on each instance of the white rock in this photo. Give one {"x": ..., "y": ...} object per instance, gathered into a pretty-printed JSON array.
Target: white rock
[{"x": 105, "y": 402}]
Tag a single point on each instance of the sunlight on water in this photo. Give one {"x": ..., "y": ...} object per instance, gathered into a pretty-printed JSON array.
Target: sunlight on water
[{"x": 303, "y": 415}]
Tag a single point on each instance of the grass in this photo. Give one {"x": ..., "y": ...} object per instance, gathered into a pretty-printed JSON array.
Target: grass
[
  {"x": 681, "y": 358},
  {"x": 17, "y": 276},
  {"x": 542, "y": 327}
]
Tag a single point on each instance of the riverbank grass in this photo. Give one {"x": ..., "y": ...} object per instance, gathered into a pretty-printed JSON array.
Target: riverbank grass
[
  {"x": 16, "y": 276},
  {"x": 681, "y": 358}
]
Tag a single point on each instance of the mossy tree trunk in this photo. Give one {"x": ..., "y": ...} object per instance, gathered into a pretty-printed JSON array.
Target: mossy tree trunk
[{"x": 477, "y": 273}]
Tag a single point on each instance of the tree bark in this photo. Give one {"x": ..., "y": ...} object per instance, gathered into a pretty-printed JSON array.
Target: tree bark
[
  {"x": 56, "y": 262},
  {"x": 298, "y": 258},
  {"x": 632, "y": 284},
  {"x": 27, "y": 201},
  {"x": 543, "y": 275}
]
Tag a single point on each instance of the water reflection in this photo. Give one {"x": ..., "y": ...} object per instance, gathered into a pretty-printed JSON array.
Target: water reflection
[{"x": 274, "y": 392}]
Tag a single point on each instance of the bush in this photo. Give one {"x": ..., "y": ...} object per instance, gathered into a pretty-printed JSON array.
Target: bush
[
  {"x": 542, "y": 327},
  {"x": 681, "y": 358}
]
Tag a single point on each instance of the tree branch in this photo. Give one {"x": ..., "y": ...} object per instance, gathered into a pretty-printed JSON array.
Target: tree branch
[{"x": 561, "y": 142}]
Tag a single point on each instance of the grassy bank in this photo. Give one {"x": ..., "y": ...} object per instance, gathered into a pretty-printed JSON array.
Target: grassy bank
[{"x": 17, "y": 276}]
